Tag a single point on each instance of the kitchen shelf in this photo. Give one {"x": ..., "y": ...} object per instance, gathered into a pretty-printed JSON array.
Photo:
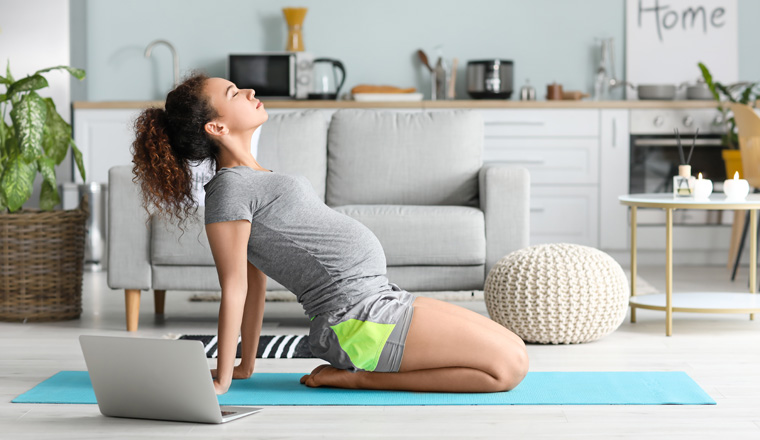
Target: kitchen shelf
[{"x": 453, "y": 103}]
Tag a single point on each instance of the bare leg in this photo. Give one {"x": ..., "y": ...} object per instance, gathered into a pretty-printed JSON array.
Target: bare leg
[
  {"x": 471, "y": 316},
  {"x": 446, "y": 350}
]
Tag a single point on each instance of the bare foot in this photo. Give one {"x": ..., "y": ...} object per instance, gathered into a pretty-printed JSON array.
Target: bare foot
[
  {"x": 314, "y": 372},
  {"x": 330, "y": 376}
]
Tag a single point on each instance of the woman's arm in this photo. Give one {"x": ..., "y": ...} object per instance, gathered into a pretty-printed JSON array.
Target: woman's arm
[
  {"x": 252, "y": 318},
  {"x": 229, "y": 246}
]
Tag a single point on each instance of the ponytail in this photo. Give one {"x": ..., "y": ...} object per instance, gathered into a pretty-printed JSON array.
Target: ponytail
[
  {"x": 167, "y": 142},
  {"x": 165, "y": 180}
]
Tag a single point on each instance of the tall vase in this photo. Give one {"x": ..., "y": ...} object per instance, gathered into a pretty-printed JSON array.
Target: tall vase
[{"x": 294, "y": 18}]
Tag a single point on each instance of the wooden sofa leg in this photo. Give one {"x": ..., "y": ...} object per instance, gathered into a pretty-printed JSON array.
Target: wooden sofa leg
[
  {"x": 159, "y": 297},
  {"x": 132, "y": 300}
]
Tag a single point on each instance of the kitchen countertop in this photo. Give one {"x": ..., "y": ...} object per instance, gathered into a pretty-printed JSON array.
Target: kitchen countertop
[{"x": 454, "y": 103}]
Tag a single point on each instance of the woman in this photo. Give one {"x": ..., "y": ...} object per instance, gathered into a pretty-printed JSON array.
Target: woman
[{"x": 373, "y": 334}]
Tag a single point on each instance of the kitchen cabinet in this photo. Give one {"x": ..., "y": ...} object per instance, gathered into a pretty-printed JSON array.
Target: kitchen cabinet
[
  {"x": 104, "y": 136},
  {"x": 564, "y": 214},
  {"x": 560, "y": 149},
  {"x": 614, "y": 151}
]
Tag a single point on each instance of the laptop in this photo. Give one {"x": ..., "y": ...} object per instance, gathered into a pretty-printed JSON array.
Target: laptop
[{"x": 162, "y": 379}]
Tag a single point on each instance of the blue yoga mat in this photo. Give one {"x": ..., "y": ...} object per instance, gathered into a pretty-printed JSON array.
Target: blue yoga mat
[{"x": 538, "y": 388}]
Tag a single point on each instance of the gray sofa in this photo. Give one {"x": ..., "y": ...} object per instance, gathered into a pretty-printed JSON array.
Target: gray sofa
[{"x": 416, "y": 179}]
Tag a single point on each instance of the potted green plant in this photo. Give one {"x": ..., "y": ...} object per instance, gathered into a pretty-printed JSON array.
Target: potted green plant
[
  {"x": 742, "y": 92},
  {"x": 43, "y": 249}
]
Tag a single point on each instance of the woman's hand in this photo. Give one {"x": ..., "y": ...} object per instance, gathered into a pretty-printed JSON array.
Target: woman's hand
[
  {"x": 219, "y": 388},
  {"x": 239, "y": 372}
]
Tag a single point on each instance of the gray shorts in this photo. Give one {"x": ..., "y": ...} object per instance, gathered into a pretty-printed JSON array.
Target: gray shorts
[{"x": 367, "y": 336}]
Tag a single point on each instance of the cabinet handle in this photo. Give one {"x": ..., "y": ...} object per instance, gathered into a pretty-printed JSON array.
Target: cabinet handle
[
  {"x": 536, "y": 209},
  {"x": 527, "y": 161},
  {"x": 614, "y": 133},
  {"x": 535, "y": 123}
]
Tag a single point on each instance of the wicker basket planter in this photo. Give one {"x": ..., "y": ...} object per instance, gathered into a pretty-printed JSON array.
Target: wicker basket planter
[{"x": 41, "y": 259}]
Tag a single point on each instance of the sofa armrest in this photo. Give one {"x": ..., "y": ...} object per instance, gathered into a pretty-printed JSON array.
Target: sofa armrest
[
  {"x": 505, "y": 201},
  {"x": 128, "y": 235}
]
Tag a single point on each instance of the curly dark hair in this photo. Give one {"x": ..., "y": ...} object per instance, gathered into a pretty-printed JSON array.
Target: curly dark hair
[{"x": 167, "y": 143}]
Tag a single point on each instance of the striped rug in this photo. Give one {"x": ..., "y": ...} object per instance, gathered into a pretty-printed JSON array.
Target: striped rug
[{"x": 270, "y": 346}]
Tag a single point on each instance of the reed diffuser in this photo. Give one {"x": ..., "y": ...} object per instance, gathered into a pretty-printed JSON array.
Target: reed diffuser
[{"x": 683, "y": 183}]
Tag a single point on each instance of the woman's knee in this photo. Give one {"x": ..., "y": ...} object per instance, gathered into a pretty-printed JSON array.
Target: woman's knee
[{"x": 510, "y": 366}]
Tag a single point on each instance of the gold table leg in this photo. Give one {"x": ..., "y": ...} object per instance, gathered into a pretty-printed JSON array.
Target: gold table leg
[
  {"x": 668, "y": 271},
  {"x": 633, "y": 261},
  {"x": 752, "y": 255}
]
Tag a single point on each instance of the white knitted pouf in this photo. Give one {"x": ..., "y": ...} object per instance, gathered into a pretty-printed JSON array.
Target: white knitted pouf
[{"x": 557, "y": 293}]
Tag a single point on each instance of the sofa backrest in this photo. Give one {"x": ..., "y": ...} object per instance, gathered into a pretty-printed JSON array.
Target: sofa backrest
[
  {"x": 403, "y": 158},
  {"x": 296, "y": 143}
]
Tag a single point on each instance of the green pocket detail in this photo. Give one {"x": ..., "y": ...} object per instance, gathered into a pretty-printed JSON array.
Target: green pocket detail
[{"x": 363, "y": 341}]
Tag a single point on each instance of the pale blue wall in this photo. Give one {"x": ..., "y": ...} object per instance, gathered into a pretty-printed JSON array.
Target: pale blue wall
[{"x": 548, "y": 40}]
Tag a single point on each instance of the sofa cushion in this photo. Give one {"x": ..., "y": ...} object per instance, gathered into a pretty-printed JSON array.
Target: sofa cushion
[
  {"x": 379, "y": 157},
  {"x": 169, "y": 246},
  {"x": 425, "y": 235},
  {"x": 296, "y": 143}
]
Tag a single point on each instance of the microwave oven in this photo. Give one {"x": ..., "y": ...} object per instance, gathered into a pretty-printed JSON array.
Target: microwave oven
[{"x": 284, "y": 75}]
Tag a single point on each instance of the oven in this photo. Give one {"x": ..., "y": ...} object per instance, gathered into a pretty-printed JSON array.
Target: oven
[{"x": 654, "y": 158}]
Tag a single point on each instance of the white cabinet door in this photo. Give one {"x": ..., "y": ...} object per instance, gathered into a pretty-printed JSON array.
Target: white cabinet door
[
  {"x": 614, "y": 178},
  {"x": 104, "y": 136},
  {"x": 557, "y": 161},
  {"x": 541, "y": 122},
  {"x": 564, "y": 215}
]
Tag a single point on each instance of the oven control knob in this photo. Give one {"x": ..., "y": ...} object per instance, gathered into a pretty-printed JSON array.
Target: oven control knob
[
  {"x": 688, "y": 121},
  {"x": 658, "y": 121},
  {"x": 718, "y": 120}
]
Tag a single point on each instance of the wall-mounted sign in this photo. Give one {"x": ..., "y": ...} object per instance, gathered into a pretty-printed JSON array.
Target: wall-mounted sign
[{"x": 665, "y": 39}]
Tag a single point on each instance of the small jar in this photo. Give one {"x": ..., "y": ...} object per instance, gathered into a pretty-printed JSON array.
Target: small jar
[
  {"x": 527, "y": 92},
  {"x": 683, "y": 183}
]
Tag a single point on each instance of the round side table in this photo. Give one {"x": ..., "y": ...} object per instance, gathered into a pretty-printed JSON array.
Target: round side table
[{"x": 695, "y": 302}]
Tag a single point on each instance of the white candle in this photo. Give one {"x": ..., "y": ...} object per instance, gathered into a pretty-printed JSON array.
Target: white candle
[
  {"x": 702, "y": 188},
  {"x": 736, "y": 188}
]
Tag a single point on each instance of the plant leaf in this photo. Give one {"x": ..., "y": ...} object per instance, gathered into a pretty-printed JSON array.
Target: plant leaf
[
  {"x": 8, "y": 75},
  {"x": 27, "y": 84},
  {"x": 17, "y": 182},
  {"x": 48, "y": 196},
  {"x": 77, "y": 73},
  {"x": 46, "y": 167},
  {"x": 709, "y": 81},
  {"x": 747, "y": 93},
  {"x": 29, "y": 120},
  {"x": 4, "y": 80},
  {"x": 78, "y": 160},
  {"x": 4, "y": 134},
  {"x": 725, "y": 91},
  {"x": 57, "y": 134},
  {"x": 3, "y": 97}
]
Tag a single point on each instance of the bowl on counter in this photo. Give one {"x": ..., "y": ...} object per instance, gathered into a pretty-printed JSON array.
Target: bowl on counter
[{"x": 663, "y": 92}]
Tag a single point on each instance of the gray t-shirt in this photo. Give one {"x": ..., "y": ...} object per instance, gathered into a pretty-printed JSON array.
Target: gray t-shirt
[{"x": 328, "y": 259}]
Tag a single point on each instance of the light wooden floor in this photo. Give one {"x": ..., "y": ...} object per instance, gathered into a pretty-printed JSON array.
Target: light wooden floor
[{"x": 720, "y": 352}]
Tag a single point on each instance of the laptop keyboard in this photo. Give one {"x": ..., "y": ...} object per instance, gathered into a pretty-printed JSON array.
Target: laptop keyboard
[{"x": 228, "y": 413}]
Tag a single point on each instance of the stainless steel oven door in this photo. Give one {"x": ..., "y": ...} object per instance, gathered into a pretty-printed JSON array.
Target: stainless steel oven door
[{"x": 654, "y": 162}]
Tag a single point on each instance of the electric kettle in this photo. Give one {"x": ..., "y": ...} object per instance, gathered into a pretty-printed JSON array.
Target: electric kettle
[{"x": 325, "y": 84}]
